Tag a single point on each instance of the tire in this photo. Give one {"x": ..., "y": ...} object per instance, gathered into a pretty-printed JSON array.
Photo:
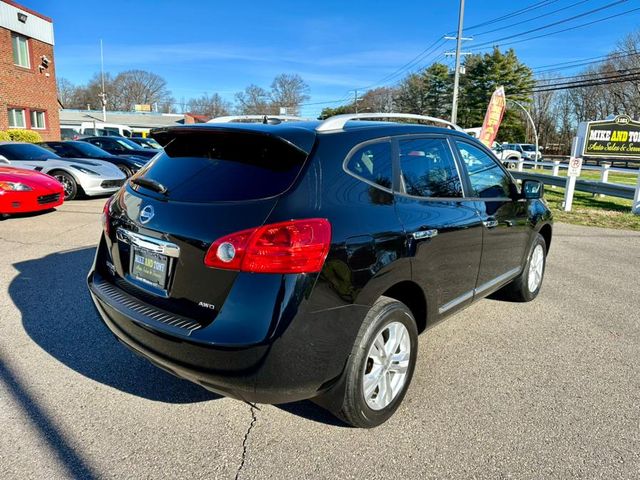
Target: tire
[
  {"x": 388, "y": 319},
  {"x": 124, "y": 169},
  {"x": 521, "y": 289},
  {"x": 68, "y": 182}
]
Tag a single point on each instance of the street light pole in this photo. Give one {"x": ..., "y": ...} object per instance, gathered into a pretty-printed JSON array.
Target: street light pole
[
  {"x": 533, "y": 125},
  {"x": 456, "y": 75}
]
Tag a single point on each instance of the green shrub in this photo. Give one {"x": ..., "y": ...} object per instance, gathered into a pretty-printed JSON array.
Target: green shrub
[
  {"x": 4, "y": 137},
  {"x": 24, "y": 136}
]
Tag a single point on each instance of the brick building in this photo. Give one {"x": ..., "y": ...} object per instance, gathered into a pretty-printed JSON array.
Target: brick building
[{"x": 28, "y": 96}]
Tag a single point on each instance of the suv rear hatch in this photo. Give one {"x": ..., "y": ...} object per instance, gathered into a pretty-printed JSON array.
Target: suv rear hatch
[{"x": 208, "y": 183}]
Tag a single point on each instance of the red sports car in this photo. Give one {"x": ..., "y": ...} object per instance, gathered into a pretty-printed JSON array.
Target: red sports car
[{"x": 23, "y": 191}]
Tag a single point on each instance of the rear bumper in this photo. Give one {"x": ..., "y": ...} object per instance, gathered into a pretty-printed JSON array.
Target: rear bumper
[{"x": 299, "y": 361}]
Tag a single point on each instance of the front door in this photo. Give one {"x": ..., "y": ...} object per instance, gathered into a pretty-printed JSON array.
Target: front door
[
  {"x": 444, "y": 230},
  {"x": 504, "y": 216}
]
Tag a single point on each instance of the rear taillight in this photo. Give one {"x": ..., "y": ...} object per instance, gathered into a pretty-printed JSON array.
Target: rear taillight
[
  {"x": 106, "y": 216},
  {"x": 296, "y": 246}
]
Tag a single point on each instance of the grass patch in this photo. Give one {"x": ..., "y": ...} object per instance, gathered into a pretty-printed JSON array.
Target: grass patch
[
  {"x": 614, "y": 177},
  {"x": 607, "y": 212}
]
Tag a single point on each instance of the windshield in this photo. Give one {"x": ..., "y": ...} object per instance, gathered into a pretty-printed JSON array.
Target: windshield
[
  {"x": 88, "y": 149},
  {"x": 128, "y": 144},
  {"x": 150, "y": 142},
  {"x": 528, "y": 147},
  {"x": 20, "y": 151}
]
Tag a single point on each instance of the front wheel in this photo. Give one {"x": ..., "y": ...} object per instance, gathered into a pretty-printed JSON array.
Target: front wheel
[
  {"x": 124, "y": 169},
  {"x": 526, "y": 286},
  {"x": 68, "y": 183},
  {"x": 381, "y": 365}
]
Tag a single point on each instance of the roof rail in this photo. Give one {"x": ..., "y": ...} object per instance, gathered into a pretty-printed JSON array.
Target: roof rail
[
  {"x": 338, "y": 122},
  {"x": 262, "y": 118}
]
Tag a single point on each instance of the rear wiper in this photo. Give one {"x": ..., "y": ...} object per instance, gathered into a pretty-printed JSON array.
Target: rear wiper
[{"x": 150, "y": 184}]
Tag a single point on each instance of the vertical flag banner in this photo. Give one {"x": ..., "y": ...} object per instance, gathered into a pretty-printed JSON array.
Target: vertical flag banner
[{"x": 493, "y": 117}]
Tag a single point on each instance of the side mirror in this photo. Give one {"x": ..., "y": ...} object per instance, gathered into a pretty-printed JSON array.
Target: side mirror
[
  {"x": 4, "y": 159},
  {"x": 532, "y": 189}
]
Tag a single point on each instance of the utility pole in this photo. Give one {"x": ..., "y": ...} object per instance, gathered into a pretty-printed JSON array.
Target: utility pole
[
  {"x": 355, "y": 101},
  {"x": 103, "y": 95},
  {"x": 456, "y": 75}
]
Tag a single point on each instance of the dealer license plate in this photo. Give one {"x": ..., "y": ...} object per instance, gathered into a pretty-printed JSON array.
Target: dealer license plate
[{"x": 149, "y": 267}]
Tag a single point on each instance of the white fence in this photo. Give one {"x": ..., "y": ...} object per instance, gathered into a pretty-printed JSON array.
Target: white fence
[{"x": 601, "y": 188}]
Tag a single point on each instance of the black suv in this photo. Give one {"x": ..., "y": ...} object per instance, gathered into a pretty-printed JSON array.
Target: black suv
[{"x": 274, "y": 263}]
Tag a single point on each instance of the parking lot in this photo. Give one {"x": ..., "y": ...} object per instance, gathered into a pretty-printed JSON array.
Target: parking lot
[{"x": 549, "y": 389}]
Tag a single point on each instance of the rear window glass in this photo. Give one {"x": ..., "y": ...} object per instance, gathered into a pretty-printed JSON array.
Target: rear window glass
[{"x": 223, "y": 166}]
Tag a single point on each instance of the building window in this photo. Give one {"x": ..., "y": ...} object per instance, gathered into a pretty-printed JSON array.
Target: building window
[
  {"x": 37, "y": 120},
  {"x": 17, "y": 118},
  {"x": 20, "y": 51}
]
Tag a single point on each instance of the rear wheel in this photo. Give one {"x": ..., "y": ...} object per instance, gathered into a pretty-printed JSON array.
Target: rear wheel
[
  {"x": 526, "y": 286},
  {"x": 124, "y": 169},
  {"x": 68, "y": 183},
  {"x": 381, "y": 365}
]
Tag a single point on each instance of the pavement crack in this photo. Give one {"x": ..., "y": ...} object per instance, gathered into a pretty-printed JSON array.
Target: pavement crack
[{"x": 245, "y": 441}]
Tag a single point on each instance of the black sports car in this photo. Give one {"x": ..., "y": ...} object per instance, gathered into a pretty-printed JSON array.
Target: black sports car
[
  {"x": 75, "y": 149},
  {"x": 148, "y": 143},
  {"x": 121, "y": 146}
]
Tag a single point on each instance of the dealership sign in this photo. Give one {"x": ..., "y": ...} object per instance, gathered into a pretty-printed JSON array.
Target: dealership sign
[{"x": 618, "y": 137}]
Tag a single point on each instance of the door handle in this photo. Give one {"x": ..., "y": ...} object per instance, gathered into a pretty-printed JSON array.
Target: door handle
[
  {"x": 424, "y": 234},
  {"x": 490, "y": 222}
]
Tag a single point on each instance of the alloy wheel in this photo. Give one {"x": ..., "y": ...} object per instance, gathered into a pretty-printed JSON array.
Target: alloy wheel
[
  {"x": 536, "y": 268},
  {"x": 385, "y": 370},
  {"x": 66, "y": 185}
]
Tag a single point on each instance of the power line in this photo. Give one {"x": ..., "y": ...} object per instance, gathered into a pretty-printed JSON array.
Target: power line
[
  {"x": 530, "y": 19},
  {"x": 553, "y": 24},
  {"x": 515, "y": 13},
  {"x": 426, "y": 52},
  {"x": 585, "y": 76},
  {"x": 629, "y": 77},
  {"x": 583, "y": 62}
]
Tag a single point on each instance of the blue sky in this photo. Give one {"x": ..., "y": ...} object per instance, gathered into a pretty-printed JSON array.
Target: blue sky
[{"x": 336, "y": 46}]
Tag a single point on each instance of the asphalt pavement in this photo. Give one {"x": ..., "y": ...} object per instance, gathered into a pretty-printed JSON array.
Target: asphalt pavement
[{"x": 548, "y": 389}]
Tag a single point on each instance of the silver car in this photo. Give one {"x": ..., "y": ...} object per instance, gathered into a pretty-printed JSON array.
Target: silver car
[{"x": 77, "y": 175}]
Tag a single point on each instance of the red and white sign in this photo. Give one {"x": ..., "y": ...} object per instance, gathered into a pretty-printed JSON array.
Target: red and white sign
[
  {"x": 493, "y": 117},
  {"x": 575, "y": 167}
]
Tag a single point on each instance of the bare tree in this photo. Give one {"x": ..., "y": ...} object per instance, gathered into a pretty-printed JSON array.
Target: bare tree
[
  {"x": 211, "y": 105},
  {"x": 66, "y": 91},
  {"x": 139, "y": 87},
  {"x": 254, "y": 100},
  {"x": 289, "y": 91}
]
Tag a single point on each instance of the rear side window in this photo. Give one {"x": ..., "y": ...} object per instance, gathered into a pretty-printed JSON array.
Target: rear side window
[
  {"x": 428, "y": 169},
  {"x": 373, "y": 163},
  {"x": 487, "y": 179},
  {"x": 225, "y": 166}
]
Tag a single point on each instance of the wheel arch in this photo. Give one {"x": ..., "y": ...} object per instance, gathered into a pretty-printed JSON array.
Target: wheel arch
[
  {"x": 410, "y": 293},
  {"x": 546, "y": 230}
]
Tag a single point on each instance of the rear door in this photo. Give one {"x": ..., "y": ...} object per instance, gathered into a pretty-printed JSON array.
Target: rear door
[
  {"x": 504, "y": 216},
  {"x": 444, "y": 230}
]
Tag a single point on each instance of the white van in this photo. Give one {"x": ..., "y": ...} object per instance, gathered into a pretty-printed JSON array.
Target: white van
[{"x": 104, "y": 129}]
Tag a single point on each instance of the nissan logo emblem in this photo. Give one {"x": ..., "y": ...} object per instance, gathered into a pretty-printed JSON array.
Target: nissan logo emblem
[{"x": 146, "y": 214}]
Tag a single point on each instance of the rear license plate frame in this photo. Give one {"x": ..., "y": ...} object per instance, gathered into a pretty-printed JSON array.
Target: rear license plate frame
[{"x": 154, "y": 277}]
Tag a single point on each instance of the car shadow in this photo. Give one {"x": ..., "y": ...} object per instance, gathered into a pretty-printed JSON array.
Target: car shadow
[
  {"x": 58, "y": 315},
  {"x": 9, "y": 216},
  {"x": 309, "y": 410}
]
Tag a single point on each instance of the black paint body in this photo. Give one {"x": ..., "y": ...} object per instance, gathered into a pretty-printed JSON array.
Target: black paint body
[{"x": 276, "y": 338}]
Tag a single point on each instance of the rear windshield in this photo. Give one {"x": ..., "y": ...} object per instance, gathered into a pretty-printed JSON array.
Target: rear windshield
[{"x": 224, "y": 166}]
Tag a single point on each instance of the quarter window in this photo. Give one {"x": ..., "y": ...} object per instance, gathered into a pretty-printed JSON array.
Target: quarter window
[
  {"x": 487, "y": 179},
  {"x": 373, "y": 163},
  {"x": 17, "y": 118},
  {"x": 37, "y": 120},
  {"x": 428, "y": 168},
  {"x": 20, "y": 51}
]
